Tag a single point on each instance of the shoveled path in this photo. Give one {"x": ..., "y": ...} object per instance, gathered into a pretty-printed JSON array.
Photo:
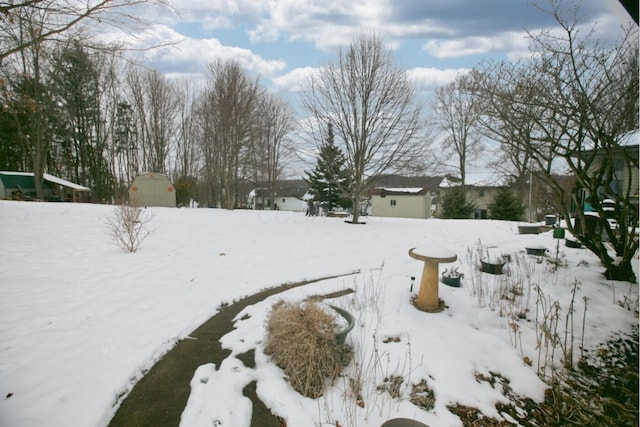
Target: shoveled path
[{"x": 159, "y": 398}]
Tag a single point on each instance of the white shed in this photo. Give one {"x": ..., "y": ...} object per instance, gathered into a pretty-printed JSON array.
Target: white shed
[
  {"x": 152, "y": 189},
  {"x": 401, "y": 202}
]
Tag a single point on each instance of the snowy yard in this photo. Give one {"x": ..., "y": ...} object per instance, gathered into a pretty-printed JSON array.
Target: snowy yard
[{"x": 80, "y": 321}]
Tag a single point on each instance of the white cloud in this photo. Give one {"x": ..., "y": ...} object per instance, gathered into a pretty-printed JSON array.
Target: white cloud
[
  {"x": 432, "y": 78},
  {"x": 295, "y": 80},
  {"x": 478, "y": 45},
  {"x": 177, "y": 53}
]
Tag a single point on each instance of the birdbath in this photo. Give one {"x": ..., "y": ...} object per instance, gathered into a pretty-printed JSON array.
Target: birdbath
[{"x": 432, "y": 256}]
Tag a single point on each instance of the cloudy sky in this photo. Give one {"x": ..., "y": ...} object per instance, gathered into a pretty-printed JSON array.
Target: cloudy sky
[{"x": 281, "y": 41}]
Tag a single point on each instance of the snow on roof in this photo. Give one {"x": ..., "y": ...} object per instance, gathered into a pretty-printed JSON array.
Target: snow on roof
[
  {"x": 50, "y": 178},
  {"x": 418, "y": 191},
  {"x": 630, "y": 139},
  {"x": 65, "y": 183},
  {"x": 402, "y": 190}
]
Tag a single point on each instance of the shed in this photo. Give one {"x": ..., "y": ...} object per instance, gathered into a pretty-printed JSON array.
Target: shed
[
  {"x": 21, "y": 185},
  {"x": 401, "y": 202},
  {"x": 152, "y": 189}
]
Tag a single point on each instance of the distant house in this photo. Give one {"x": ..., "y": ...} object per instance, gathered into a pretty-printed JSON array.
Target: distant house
[
  {"x": 21, "y": 186},
  {"x": 152, "y": 189},
  {"x": 625, "y": 175},
  {"x": 401, "y": 202},
  {"x": 481, "y": 192},
  {"x": 288, "y": 196},
  {"x": 622, "y": 183}
]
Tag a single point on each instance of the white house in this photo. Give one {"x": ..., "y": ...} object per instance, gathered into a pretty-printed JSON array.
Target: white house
[
  {"x": 401, "y": 202},
  {"x": 289, "y": 196}
]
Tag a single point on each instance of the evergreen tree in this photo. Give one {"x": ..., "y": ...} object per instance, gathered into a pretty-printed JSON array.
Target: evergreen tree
[
  {"x": 455, "y": 204},
  {"x": 329, "y": 181},
  {"x": 506, "y": 205}
]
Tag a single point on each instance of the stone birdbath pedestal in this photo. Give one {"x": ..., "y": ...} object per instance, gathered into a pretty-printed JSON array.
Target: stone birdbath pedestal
[{"x": 427, "y": 299}]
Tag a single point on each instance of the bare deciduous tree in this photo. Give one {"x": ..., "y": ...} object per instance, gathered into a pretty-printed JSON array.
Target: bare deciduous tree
[
  {"x": 64, "y": 17},
  {"x": 576, "y": 101},
  {"x": 154, "y": 101},
  {"x": 271, "y": 144},
  {"x": 456, "y": 115},
  {"x": 226, "y": 112},
  {"x": 373, "y": 109}
]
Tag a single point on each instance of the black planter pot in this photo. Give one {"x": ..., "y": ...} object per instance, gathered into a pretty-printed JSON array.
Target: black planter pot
[
  {"x": 451, "y": 281},
  {"x": 529, "y": 229},
  {"x": 492, "y": 267},
  {"x": 536, "y": 251},
  {"x": 572, "y": 243}
]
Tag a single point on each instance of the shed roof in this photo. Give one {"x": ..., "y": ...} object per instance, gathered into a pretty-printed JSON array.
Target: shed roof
[
  {"x": 47, "y": 177},
  {"x": 387, "y": 191}
]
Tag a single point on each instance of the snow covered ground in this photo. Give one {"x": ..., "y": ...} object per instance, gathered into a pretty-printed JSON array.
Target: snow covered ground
[{"x": 80, "y": 320}]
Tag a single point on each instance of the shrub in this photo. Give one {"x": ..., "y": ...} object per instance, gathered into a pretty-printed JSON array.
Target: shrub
[
  {"x": 455, "y": 204},
  {"x": 127, "y": 227},
  {"x": 301, "y": 341},
  {"x": 506, "y": 205}
]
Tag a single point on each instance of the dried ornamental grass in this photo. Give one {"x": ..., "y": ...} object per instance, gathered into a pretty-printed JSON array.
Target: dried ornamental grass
[{"x": 301, "y": 341}]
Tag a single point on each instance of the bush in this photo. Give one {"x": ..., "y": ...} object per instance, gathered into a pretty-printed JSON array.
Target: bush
[
  {"x": 506, "y": 205},
  {"x": 301, "y": 341},
  {"x": 455, "y": 205},
  {"x": 127, "y": 227}
]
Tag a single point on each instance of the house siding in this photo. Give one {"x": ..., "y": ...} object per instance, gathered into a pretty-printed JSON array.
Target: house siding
[{"x": 401, "y": 206}]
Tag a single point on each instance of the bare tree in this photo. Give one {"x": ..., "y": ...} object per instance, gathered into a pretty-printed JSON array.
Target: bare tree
[
  {"x": 154, "y": 101},
  {"x": 373, "y": 109},
  {"x": 456, "y": 115},
  {"x": 576, "y": 101},
  {"x": 63, "y": 18},
  {"x": 271, "y": 144},
  {"x": 226, "y": 113},
  {"x": 27, "y": 97}
]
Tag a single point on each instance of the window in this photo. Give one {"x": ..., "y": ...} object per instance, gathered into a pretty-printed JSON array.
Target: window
[{"x": 393, "y": 202}]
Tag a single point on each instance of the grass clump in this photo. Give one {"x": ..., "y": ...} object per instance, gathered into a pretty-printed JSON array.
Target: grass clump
[{"x": 301, "y": 341}]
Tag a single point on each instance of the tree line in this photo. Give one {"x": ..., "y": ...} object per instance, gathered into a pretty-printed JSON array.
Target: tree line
[{"x": 85, "y": 112}]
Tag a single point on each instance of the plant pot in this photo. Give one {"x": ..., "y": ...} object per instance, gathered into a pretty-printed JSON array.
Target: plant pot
[
  {"x": 453, "y": 281},
  {"x": 529, "y": 229},
  {"x": 492, "y": 267},
  {"x": 572, "y": 243},
  {"x": 539, "y": 251},
  {"x": 341, "y": 335},
  {"x": 403, "y": 422}
]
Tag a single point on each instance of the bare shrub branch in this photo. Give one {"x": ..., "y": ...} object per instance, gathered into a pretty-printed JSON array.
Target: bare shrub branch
[{"x": 127, "y": 227}]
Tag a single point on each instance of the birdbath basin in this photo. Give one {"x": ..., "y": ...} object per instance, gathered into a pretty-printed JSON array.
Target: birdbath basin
[{"x": 432, "y": 256}]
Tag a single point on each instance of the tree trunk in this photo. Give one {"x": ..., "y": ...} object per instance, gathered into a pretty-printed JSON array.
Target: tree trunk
[
  {"x": 356, "y": 209},
  {"x": 622, "y": 272}
]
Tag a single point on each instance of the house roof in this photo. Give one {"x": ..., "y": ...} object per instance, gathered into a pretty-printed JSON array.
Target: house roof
[
  {"x": 475, "y": 179},
  {"x": 399, "y": 181},
  {"x": 286, "y": 188},
  {"x": 48, "y": 178},
  {"x": 387, "y": 191}
]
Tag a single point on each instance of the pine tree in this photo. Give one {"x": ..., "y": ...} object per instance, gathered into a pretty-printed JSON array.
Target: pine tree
[
  {"x": 506, "y": 205},
  {"x": 455, "y": 204},
  {"x": 329, "y": 182}
]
